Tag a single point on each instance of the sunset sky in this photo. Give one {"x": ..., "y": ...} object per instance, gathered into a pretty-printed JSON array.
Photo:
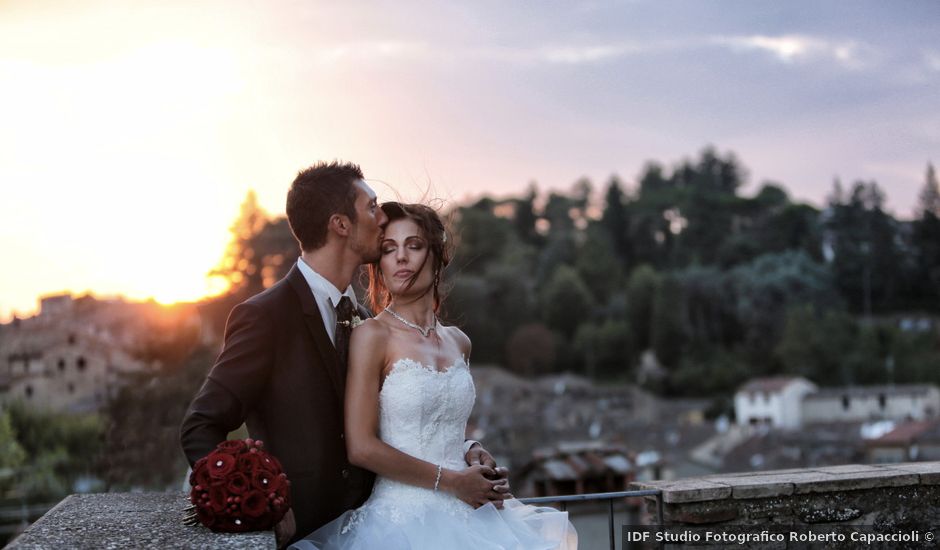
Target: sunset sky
[{"x": 130, "y": 132}]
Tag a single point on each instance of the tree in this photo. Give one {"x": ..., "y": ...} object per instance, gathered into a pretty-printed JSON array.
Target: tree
[
  {"x": 925, "y": 241},
  {"x": 12, "y": 455},
  {"x": 598, "y": 265},
  {"x": 929, "y": 197},
  {"x": 865, "y": 256},
  {"x": 531, "y": 349},
  {"x": 607, "y": 349},
  {"x": 615, "y": 220},
  {"x": 641, "y": 289},
  {"x": 667, "y": 334},
  {"x": 766, "y": 287},
  {"x": 565, "y": 301},
  {"x": 524, "y": 218},
  {"x": 481, "y": 235},
  {"x": 239, "y": 266}
]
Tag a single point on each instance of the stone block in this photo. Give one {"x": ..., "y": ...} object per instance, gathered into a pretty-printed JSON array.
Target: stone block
[
  {"x": 823, "y": 482},
  {"x": 929, "y": 472},
  {"x": 687, "y": 490},
  {"x": 761, "y": 485}
]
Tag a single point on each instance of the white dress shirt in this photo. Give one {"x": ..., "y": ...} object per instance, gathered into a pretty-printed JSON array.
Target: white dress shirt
[{"x": 327, "y": 296}]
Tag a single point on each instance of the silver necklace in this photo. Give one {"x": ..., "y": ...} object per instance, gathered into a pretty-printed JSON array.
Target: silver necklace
[{"x": 425, "y": 331}]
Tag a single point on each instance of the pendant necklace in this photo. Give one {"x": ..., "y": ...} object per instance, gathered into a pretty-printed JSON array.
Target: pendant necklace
[{"x": 425, "y": 331}]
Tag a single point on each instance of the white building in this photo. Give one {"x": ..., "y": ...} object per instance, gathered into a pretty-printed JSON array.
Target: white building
[
  {"x": 773, "y": 402},
  {"x": 865, "y": 403}
]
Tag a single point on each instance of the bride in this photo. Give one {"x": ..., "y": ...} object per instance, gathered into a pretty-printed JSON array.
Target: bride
[{"x": 409, "y": 394}]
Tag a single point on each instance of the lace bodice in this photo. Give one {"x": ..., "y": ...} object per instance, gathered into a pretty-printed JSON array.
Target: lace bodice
[{"x": 424, "y": 412}]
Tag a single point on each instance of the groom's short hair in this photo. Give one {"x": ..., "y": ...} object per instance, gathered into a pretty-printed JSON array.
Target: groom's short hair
[{"x": 324, "y": 189}]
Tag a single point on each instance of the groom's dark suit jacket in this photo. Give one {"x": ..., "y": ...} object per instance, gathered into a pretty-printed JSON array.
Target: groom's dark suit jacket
[{"x": 280, "y": 374}]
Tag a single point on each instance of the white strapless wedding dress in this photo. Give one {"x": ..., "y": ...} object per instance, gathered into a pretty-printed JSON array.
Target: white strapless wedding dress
[{"x": 424, "y": 412}]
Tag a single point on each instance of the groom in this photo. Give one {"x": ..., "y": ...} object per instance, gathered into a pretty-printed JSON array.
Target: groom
[{"x": 282, "y": 367}]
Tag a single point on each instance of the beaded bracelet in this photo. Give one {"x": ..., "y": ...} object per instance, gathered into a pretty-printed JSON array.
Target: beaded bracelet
[{"x": 437, "y": 481}]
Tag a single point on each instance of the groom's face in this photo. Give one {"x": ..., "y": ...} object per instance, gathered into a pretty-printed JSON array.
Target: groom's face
[{"x": 367, "y": 232}]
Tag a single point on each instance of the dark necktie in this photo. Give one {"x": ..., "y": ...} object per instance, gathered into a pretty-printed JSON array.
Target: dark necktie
[{"x": 344, "y": 315}]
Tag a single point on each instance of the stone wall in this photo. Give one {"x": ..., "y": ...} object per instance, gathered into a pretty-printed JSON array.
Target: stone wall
[
  {"x": 864, "y": 498},
  {"x": 129, "y": 520}
]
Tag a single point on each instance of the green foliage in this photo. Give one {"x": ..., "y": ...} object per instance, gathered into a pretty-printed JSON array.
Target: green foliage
[
  {"x": 566, "y": 301},
  {"x": 817, "y": 345},
  {"x": 58, "y": 448},
  {"x": 640, "y": 291},
  {"x": 481, "y": 236},
  {"x": 607, "y": 349},
  {"x": 866, "y": 258},
  {"x": 598, "y": 263},
  {"x": 765, "y": 288},
  {"x": 667, "y": 334},
  {"x": 709, "y": 372},
  {"x": 12, "y": 455},
  {"x": 140, "y": 447}
]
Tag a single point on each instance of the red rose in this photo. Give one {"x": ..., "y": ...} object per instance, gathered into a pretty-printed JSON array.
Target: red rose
[
  {"x": 248, "y": 462},
  {"x": 262, "y": 480},
  {"x": 254, "y": 504},
  {"x": 220, "y": 464},
  {"x": 271, "y": 462},
  {"x": 238, "y": 483},
  {"x": 201, "y": 476},
  {"x": 206, "y": 517},
  {"x": 277, "y": 483},
  {"x": 200, "y": 464},
  {"x": 217, "y": 498}
]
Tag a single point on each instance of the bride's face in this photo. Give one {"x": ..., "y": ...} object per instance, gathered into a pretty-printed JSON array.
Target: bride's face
[{"x": 404, "y": 250}]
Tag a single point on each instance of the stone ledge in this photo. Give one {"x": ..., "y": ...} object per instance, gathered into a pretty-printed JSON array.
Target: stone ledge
[
  {"x": 129, "y": 520},
  {"x": 788, "y": 482}
]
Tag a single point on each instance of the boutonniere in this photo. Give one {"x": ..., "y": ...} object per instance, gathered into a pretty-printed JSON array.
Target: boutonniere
[{"x": 354, "y": 322}]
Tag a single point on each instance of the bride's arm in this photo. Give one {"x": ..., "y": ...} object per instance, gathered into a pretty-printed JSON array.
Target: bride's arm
[{"x": 366, "y": 358}]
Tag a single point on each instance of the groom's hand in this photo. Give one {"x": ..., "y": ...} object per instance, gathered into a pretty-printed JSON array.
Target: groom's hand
[
  {"x": 478, "y": 455},
  {"x": 475, "y": 485},
  {"x": 285, "y": 529}
]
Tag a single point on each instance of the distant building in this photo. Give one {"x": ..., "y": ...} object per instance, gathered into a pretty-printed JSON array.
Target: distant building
[
  {"x": 62, "y": 370},
  {"x": 577, "y": 468},
  {"x": 75, "y": 353},
  {"x": 906, "y": 442},
  {"x": 865, "y": 403},
  {"x": 772, "y": 402}
]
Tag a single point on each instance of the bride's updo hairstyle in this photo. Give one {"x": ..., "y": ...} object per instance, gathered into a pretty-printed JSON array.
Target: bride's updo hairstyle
[{"x": 439, "y": 248}]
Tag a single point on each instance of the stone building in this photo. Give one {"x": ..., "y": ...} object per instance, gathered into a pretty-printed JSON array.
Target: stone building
[
  {"x": 866, "y": 403},
  {"x": 773, "y": 402},
  {"x": 74, "y": 354}
]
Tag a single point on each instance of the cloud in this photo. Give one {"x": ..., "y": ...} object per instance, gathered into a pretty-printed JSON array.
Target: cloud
[
  {"x": 365, "y": 51},
  {"x": 583, "y": 54},
  {"x": 798, "y": 48}
]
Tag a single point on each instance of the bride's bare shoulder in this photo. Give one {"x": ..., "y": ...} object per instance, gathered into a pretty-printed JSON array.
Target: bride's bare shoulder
[
  {"x": 370, "y": 331},
  {"x": 460, "y": 338}
]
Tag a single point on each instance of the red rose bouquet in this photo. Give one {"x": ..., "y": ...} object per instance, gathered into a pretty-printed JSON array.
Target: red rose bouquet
[{"x": 238, "y": 487}]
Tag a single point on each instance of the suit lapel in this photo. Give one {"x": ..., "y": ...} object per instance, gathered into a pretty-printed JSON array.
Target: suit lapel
[{"x": 314, "y": 321}]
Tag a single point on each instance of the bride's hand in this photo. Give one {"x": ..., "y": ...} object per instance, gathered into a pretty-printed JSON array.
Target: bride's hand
[{"x": 472, "y": 485}]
